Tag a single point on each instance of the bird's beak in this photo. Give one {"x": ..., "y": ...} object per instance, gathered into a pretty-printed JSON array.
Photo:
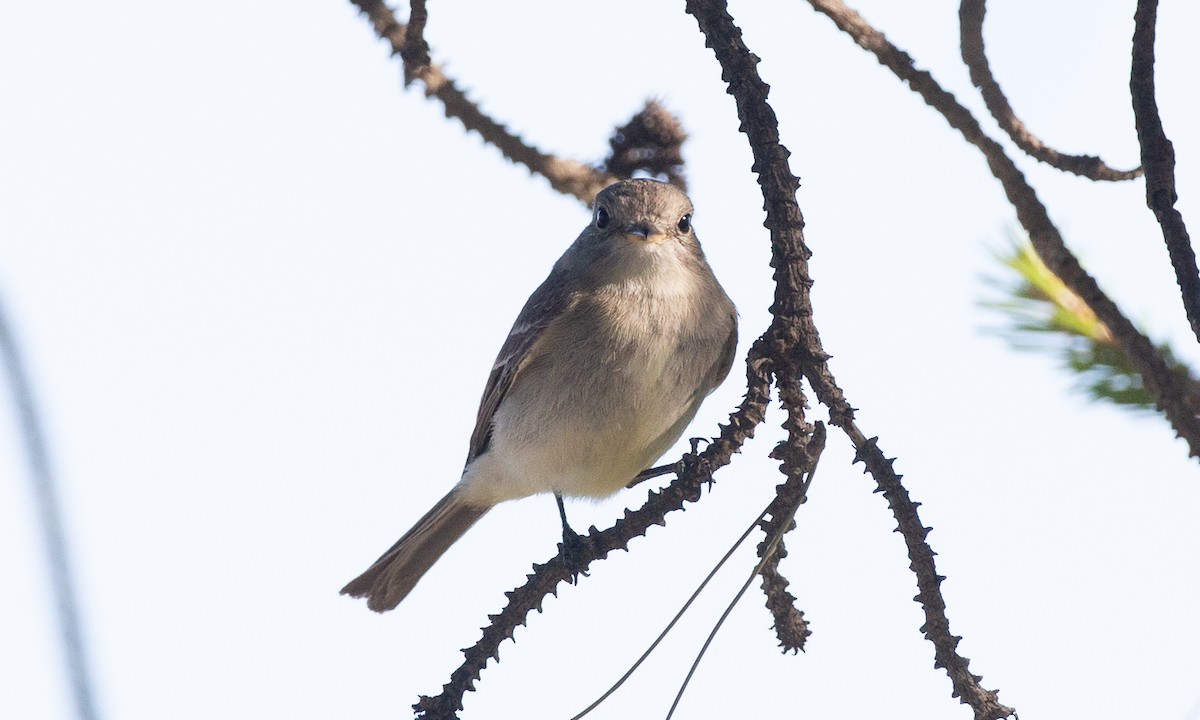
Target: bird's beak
[{"x": 644, "y": 233}]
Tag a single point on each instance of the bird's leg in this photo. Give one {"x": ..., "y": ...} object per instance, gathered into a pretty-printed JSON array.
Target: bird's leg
[{"x": 573, "y": 543}]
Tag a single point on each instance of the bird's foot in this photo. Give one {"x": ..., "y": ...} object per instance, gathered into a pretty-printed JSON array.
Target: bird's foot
[{"x": 576, "y": 551}]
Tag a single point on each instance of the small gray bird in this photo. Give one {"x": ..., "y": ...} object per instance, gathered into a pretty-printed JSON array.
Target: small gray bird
[{"x": 601, "y": 373}]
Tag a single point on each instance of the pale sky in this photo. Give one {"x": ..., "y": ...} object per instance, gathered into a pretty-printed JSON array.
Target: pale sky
[{"x": 259, "y": 287}]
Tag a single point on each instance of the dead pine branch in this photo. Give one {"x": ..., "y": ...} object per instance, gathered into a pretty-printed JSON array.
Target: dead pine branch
[
  {"x": 974, "y": 54},
  {"x": 1170, "y": 391},
  {"x": 799, "y": 454},
  {"x": 1158, "y": 158},
  {"x": 796, "y": 334},
  {"x": 657, "y": 143}
]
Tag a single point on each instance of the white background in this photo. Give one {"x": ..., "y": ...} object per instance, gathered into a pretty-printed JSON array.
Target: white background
[{"x": 260, "y": 286}]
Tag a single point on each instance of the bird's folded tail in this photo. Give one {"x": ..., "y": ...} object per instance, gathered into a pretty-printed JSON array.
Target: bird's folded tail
[{"x": 393, "y": 575}]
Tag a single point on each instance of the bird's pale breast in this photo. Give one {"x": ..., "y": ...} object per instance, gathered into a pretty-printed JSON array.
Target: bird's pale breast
[{"x": 587, "y": 422}]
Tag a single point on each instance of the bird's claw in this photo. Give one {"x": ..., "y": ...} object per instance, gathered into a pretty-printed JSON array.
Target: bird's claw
[{"x": 574, "y": 550}]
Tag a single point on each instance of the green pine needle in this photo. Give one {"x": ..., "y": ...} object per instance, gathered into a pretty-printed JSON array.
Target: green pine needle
[{"x": 1044, "y": 315}]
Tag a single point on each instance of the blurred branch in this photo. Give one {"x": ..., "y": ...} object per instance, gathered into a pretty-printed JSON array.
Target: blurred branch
[
  {"x": 1170, "y": 394},
  {"x": 652, "y": 141},
  {"x": 569, "y": 177},
  {"x": 970, "y": 15},
  {"x": 49, "y": 516},
  {"x": 1045, "y": 315},
  {"x": 1158, "y": 157},
  {"x": 693, "y": 471},
  {"x": 796, "y": 340}
]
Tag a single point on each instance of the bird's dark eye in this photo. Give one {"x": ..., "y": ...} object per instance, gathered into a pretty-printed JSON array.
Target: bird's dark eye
[
  {"x": 685, "y": 223},
  {"x": 601, "y": 218}
]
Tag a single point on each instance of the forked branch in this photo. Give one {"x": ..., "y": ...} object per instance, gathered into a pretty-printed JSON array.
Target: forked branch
[{"x": 794, "y": 330}]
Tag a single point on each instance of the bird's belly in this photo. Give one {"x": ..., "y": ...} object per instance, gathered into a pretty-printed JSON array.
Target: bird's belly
[{"x": 585, "y": 426}]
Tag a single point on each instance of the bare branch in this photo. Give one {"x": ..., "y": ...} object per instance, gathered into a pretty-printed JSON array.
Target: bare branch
[
  {"x": 970, "y": 16},
  {"x": 1158, "y": 157},
  {"x": 1169, "y": 390},
  {"x": 796, "y": 337},
  {"x": 791, "y": 627},
  {"x": 799, "y": 454},
  {"x": 650, "y": 141},
  {"x": 693, "y": 472},
  {"x": 566, "y": 176}
]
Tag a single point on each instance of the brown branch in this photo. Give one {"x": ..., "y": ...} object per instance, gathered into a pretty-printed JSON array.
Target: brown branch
[
  {"x": 661, "y": 134},
  {"x": 1158, "y": 157},
  {"x": 796, "y": 334},
  {"x": 1168, "y": 389},
  {"x": 693, "y": 472},
  {"x": 791, "y": 627},
  {"x": 799, "y": 454},
  {"x": 970, "y": 17},
  {"x": 652, "y": 141},
  {"x": 569, "y": 177}
]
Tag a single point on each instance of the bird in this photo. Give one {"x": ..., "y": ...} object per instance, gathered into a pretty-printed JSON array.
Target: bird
[{"x": 603, "y": 370}]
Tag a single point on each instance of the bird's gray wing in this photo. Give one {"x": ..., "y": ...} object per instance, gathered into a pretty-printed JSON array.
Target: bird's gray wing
[
  {"x": 725, "y": 362},
  {"x": 552, "y": 298}
]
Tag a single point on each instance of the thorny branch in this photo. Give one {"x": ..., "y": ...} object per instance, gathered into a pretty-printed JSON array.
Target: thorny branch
[
  {"x": 798, "y": 340},
  {"x": 970, "y": 16},
  {"x": 791, "y": 347},
  {"x": 693, "y": 472},
  {"x": 799, "y": 454},
  {"x": 569, "y": 177},
  {"x": 651, "y": 140},
  {"x": 1167, "y": 387},
  {"x": 1158, "y": 158}
]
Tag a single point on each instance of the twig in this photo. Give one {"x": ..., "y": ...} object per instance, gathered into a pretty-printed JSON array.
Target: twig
[
  {"x": 566, "y": 176},
  {"x": 799, "y": 453},
  {"x": 1158, "y": 157},
  {"x": 652, "y": 140},
  {"x": 1168, "y": 389},
  {"x": 970, "y": 17},
  {"x": 569, "y": 177},
  {"x": 796, "y": 333},
  {"x": 695, "y": 471}
]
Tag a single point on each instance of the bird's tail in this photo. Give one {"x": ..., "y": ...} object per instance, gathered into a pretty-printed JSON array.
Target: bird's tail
[{"x": 393, "y": 575}]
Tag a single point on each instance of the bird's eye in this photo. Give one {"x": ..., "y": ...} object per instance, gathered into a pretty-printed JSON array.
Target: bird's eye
[
  {"x": 685, "y": 223},
  {"x": 601, "y": 218}
]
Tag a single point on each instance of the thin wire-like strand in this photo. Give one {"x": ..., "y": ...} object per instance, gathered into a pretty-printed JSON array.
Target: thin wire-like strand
[
  {"x": 775, "y": 540},
  {"x": 675, "y": 619}
]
